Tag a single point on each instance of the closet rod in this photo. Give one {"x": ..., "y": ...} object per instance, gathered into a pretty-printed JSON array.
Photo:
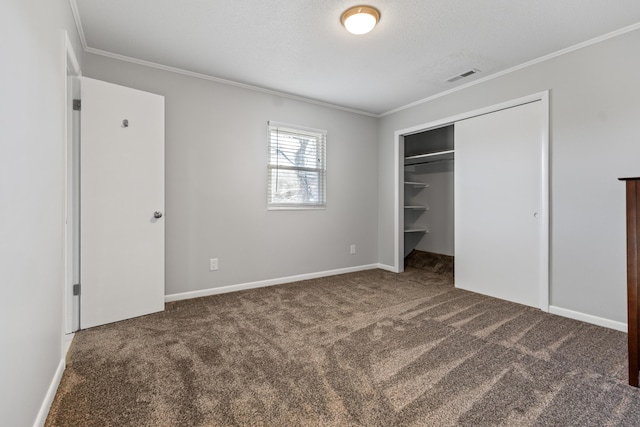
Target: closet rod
[
  {"x": 428, "y": 162},
  {"x": 437, "y": 153},
  {"x": 438, "y": 156}
]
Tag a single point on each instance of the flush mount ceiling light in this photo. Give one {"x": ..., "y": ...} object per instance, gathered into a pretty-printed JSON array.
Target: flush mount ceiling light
[{"x": 360, "y": 19}]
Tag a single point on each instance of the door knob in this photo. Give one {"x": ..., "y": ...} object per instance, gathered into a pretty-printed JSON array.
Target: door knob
[{"x": 157, "y": 214}]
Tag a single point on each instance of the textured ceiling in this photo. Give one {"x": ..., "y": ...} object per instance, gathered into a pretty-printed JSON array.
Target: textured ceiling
[{"x": 299, "y": 47}]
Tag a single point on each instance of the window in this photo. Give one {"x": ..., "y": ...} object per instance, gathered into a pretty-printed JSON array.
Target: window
[{"x": 297, "y": 167}]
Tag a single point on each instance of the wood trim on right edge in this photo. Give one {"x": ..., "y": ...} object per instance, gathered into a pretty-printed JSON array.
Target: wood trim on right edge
[{"x": 633, "y": 305}]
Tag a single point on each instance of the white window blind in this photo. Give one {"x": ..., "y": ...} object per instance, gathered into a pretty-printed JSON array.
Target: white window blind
[{"x": 297, "y": 167}]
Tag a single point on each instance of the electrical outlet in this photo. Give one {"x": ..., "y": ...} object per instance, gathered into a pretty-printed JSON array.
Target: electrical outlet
[
  {"x": 213, "y": 264},
  {"x": 353, "y": 249}
]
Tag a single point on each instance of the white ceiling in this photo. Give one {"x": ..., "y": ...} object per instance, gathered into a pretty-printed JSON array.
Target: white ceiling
[{"x": 299, "y": 47}]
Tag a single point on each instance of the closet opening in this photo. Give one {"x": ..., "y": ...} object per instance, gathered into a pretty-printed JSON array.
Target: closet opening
[
  {"x": 428, "y": 207},
  {"x": 475, "y": 186}
]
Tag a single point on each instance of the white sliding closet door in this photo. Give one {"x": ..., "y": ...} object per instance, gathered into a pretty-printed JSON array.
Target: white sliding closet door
[{"x": 499, "y": 234}]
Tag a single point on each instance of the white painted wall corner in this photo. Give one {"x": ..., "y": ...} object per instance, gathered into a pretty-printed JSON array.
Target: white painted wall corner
[{"x": 386, "y": 267}]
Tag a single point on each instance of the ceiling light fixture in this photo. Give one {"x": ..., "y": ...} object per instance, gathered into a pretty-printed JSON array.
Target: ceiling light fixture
[{"x": 360, "y": 19}]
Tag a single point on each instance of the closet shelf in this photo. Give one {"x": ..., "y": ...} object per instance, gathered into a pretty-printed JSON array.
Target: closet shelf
[
  {"x": 417, "y": 208},
  {"x": 416, "y": 184},
  {"x": 416, "y": 230},
  {"x": 429, "y": 157}
]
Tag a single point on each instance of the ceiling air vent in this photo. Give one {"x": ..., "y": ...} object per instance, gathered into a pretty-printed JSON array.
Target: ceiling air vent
[{"x": 463, "y": 75}]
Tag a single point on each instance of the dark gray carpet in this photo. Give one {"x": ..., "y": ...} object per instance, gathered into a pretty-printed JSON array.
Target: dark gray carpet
[
  {"x": 435, "y": 263},
  {"x": 363, "y": 349}
]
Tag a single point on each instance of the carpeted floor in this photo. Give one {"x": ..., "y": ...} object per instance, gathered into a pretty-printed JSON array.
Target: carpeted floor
[
  {"x": 435, "y": 263},
  {"x": 363, "y": 349}
]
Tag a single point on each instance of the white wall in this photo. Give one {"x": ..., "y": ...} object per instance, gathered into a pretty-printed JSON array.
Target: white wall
[
  {"x": 595, "y": 138},
  {"x": 216, "y": 154},
  {"x": 32, "y": 79}
]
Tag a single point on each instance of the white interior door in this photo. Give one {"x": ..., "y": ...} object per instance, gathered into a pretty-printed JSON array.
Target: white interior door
[
  {"x": 499, "y": 232},
  {"x": 122, "y": 186}
]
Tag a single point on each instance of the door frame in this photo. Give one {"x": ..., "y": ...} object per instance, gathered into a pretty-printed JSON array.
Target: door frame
[
  {"x": 398, "y": 215},
  {"x": 72, "y": 71}
]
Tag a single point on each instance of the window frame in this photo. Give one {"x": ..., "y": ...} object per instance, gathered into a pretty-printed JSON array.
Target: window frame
[{"x": 321, "y": 145}]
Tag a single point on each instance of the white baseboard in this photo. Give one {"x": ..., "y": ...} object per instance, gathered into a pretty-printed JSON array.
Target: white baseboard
[
  {"x": 386, "y": 267},
  {"x": 595, "y": 320},
  {"x": 576, "y": 315},
  {"x": 264, "y": 283},
  {"x": 48, "y": 398}
]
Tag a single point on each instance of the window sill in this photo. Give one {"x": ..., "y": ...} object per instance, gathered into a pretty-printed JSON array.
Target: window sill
[{"x": 296, "y": 208}]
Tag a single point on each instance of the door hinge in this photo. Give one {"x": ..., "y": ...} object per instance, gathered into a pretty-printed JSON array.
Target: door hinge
[
  {"x": 76, "y": 289},
  {"x": 77, "y": 104}
]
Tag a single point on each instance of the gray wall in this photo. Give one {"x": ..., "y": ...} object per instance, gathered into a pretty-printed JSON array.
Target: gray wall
[
  {"x": 216, "y": 157},
  {"x": 595, "y": 138},
  {"x": 216, "y": 182},
  {"x": 32, "y": 78}
]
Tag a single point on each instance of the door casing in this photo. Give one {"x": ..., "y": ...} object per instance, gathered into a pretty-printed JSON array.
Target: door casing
[
  {"x": 398, "y": 184},
  {"x": 71, "y": 190}
]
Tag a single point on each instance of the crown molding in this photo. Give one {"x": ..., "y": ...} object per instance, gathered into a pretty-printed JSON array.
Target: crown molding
[
  {"x": 517, "y": 68},
  {"x": 76, "y": 18},
  {"x": 86, "y": 48},
  {"x": 224, "y": 81}
]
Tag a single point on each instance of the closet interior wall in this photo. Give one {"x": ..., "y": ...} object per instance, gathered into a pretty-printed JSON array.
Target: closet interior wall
[{"x": 435, "y": 170}]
